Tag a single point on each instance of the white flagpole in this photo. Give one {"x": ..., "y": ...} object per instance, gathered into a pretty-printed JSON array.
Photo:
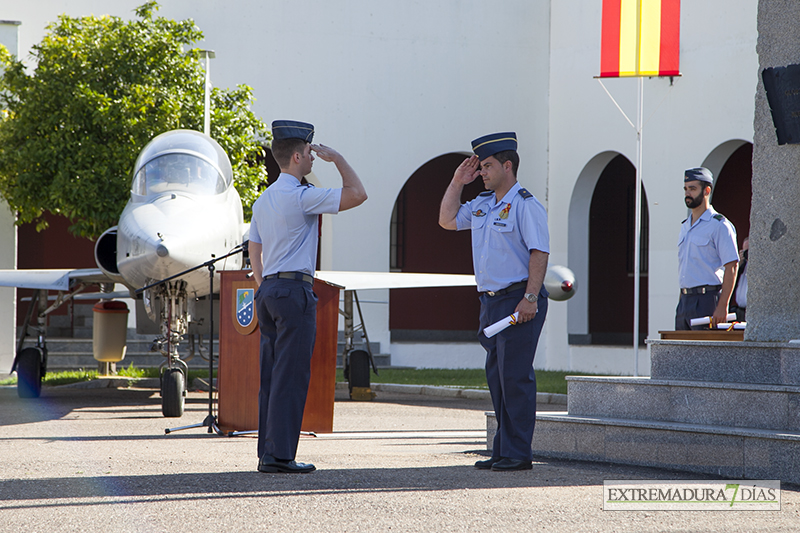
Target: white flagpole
[
  {"x": 637, "y": 230},
  {"x": 637, "y": 227},
  {"x": 638, "y": 196}
]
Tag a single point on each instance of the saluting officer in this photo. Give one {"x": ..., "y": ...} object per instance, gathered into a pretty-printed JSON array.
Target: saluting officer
[
  {"x": 707, "y": 255},
  {"x": 283, "y": 252},
  {"x": 510, "y": 249}
]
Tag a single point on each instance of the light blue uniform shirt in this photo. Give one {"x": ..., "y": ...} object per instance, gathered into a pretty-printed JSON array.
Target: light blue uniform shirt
[
  {"x": 286, "y": 223},
  {"x": 704, "y": 248},
  {"x": 503, "y": 235}
]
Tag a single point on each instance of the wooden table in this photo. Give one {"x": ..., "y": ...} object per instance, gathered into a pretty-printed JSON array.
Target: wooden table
[{"x": 703, "y": 335}]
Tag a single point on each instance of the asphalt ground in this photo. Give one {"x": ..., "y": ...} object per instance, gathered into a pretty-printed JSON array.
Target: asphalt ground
[{"x": 99, "y": 460}]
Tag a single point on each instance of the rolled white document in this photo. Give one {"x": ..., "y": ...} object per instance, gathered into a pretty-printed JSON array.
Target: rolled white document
[
  {"x": 500, "y": 325},
  {"x": 736, "y": 325},
  {"x": 707, "y": 320}
]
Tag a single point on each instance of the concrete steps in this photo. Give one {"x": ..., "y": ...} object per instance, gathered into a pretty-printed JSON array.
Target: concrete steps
[
  {"x": 688, "y": 402},
  {"x": 729, "y": 362},
  {"x": 734, "y": 452},
  {"x": 76, "y": 353},
  {"x": 69, "y": 345},
  {"x": 73, "y": 354},
  {"x": 729, "y": 409}
]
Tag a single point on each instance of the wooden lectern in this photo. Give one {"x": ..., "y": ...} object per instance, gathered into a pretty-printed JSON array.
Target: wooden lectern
[{"x": 238, "y": 377}]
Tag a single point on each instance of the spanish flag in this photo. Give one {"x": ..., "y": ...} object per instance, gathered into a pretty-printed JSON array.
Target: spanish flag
[{"x": 640, "y": 38}]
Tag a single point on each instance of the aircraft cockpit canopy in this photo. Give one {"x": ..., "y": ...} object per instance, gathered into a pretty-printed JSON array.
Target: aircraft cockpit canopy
[
  {"x": 182, "y": 160},
  {"x": 179, "y": 172}
]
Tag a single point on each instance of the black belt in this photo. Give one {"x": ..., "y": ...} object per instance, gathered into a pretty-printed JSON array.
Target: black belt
[
  {"x": 297, "y": 276},
  {"x": 702, "y": 289},
  {"x": 512, "y": 287}
]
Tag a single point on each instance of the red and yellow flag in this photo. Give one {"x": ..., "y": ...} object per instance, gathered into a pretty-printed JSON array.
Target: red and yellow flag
[{"x": 640, "y": 38}]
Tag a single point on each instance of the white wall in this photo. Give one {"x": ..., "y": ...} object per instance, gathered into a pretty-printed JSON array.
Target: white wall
[
  {"x": 9, "y": 37},
  {"x": 394, "y": 84},
  {"x": 8, "y": 296}
]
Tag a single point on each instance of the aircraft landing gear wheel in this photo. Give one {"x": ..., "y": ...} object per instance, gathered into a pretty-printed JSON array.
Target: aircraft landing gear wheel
[
  {"x": 173, "y": 393},
  {"x": 29, "y": 373}
]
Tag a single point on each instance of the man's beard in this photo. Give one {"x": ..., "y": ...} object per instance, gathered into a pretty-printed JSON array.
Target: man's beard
[{"x": 694, "y": 201}]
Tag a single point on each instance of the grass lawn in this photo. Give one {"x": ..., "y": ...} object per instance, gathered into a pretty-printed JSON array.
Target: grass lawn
[
  {"x": 472, "y": 378},
  {"x": 52, "y": 379}
]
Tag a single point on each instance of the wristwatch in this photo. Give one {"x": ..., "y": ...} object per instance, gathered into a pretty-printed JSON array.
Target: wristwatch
[{"x": 531, "y": 297}]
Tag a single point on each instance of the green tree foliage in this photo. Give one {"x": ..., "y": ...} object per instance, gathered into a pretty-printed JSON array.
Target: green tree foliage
[{"x": 102, "y": 88}]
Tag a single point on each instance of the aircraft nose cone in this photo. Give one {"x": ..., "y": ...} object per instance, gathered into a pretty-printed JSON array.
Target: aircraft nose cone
[{"x": 162, "y": 251}]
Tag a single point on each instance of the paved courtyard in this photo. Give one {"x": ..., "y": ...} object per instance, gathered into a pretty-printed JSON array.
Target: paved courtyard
[{"x": 99, "y": 460}]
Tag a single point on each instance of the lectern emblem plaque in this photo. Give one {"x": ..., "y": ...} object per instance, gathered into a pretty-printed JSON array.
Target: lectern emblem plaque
[{"x": 245, "y": 318}]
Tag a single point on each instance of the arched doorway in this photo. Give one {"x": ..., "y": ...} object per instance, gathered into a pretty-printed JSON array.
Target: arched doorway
[
  {"x": 419, "y": 244},
  {"x": 733, "y": 190},
  {"x": 612, "y": 254}
]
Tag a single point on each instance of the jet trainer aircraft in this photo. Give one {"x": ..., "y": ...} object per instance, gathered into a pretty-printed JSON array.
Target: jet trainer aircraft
[{"x": 183, "y": 211}]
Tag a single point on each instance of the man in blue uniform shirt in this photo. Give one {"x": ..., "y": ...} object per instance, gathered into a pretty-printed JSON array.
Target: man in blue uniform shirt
[
  {"x": 707, "y": 256},
  {"x": 283, "y": 252},
  {"x": 510, "y": 249}
]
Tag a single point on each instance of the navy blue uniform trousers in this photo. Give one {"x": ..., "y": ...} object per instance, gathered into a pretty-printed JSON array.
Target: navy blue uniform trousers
[
  {"x": 695, "y": 306},
  {"x": 509, "y": 372},
  {"x": 287, "y": 318}
]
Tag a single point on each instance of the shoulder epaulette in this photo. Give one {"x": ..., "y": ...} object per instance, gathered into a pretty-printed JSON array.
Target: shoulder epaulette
[
  {"x": 306, "y": 185},
  {"x": 684, "y": 220},
  {"x": 719, "y": 217},
  {"x": 524, "y": 193},
  {"x": 487, "y": 193}
]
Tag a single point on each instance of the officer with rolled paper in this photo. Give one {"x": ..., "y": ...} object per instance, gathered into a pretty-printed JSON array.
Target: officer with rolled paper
[
  {"x": 283, "y": 251},
  {"x": 707, "y": 256},
  {"x": 510, "y": 249}
]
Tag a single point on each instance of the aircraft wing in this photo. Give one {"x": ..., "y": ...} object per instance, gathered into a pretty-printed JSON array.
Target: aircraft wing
[
  {"x": 52, "y": 279},
  {"x": 559, "y": 280},
  {"x": 393, "y": 280}
]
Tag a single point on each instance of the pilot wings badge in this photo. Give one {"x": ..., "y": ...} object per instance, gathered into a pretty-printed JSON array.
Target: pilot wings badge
[{"x": 244, "y": 307}]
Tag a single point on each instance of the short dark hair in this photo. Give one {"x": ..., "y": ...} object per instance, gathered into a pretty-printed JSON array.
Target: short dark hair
[
  {"x": 509, "y": 155},
  {"x": 284, "y": 149}
]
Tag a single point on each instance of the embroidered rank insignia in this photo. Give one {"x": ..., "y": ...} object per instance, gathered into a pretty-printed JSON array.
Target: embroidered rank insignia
[
  {"x": 524, "y": 193},
  {"x": 479, "y": 213},
  {"x": 504, "y": 213},
  {"x": 719, "y": 217}
]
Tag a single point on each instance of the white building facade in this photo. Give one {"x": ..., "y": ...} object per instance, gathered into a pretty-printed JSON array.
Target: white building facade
[{"x": 395, "y": 85}]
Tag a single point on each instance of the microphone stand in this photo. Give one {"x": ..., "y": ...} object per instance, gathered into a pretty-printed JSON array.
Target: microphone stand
[{"x": 210, "y": 421}]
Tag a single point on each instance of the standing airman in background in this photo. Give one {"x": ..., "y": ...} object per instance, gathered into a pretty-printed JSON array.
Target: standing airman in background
[{"x": 707, "y": 255}]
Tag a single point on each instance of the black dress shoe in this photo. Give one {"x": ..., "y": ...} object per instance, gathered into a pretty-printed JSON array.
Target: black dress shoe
[
  {"x": 507, "y": 465},
  {"x": 487, "y": 464},
  {"x": 271, "y": 465}
]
